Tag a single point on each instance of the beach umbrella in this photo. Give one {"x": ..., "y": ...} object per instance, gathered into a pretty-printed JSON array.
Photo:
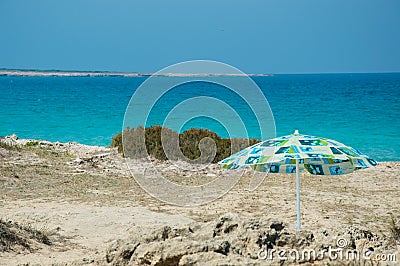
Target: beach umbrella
[{"x": 293, "y": 153}]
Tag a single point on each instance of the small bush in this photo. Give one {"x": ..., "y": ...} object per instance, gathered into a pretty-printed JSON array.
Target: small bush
[
  {"x": 394, "y": 228},
  {"x": 190, "y": 144},
  {"x": 117, "y": 142},
  {"x": 32, "y": 143},
  {"x": 198, "y": 145}
]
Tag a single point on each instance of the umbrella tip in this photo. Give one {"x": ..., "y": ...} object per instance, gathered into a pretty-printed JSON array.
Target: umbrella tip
[{"x": 296, "y": 132}]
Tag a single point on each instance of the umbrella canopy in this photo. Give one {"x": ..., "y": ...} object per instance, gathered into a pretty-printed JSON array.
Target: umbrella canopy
[
  {"x": 295, "y": 152},
  {"x": 319, "y": 156}
]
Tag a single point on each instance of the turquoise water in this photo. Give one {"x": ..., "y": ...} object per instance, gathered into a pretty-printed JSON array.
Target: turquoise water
[{"x": 360, "y": 110}]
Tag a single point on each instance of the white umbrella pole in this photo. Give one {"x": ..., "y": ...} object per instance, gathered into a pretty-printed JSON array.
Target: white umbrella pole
[{"x": 298, "y": 193}]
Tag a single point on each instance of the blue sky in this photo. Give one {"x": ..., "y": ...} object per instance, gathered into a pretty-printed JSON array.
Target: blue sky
[{"x": 281, "y": 36}]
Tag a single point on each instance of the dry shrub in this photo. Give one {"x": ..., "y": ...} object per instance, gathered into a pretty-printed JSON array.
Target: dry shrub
[{"x": 195, "y": 144}]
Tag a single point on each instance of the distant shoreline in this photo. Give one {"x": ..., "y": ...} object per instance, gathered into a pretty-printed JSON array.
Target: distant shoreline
[
  {"x": 61, "y": 73},
  {"x": 94, "y": 73}
]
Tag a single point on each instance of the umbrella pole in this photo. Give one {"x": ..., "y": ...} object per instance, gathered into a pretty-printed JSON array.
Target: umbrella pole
[{"x": 298, "y": 193}]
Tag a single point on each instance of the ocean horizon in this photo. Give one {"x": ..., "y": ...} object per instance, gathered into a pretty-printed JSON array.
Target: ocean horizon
[{"x": 360, "y": 110}]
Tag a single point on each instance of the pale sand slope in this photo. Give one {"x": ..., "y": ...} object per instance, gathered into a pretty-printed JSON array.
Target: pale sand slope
[
  {"x": 85, "y": 198},
  {"x": 88, "y": 230}
]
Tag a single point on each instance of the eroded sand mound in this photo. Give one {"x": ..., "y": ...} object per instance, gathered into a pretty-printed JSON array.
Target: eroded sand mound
[
  {"x": 233, "y": 240},
  {"x": 18, "y": 238}
]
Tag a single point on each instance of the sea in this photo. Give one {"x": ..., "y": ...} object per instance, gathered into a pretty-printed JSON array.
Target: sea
[{"x": 359, "y": 110}]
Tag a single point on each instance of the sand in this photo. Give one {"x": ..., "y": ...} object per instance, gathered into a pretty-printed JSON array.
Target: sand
[{"x": 93, "y": 211}]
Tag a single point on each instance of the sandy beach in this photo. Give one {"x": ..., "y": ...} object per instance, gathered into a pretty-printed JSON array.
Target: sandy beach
[
  {"x": 92, "y": 212},
  {"x": 199, "y": 133}
]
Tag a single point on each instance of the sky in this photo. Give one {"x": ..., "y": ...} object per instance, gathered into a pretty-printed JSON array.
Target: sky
[{"x": 256, "y": 36}]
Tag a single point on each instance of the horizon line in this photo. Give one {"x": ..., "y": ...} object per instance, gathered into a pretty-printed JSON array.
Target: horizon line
[{"x": 52, "y": 72}]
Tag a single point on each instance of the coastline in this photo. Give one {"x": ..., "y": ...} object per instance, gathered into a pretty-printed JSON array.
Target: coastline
[
  {"x": 61, "y": 73},
  {"x": 94, "y": 212}
]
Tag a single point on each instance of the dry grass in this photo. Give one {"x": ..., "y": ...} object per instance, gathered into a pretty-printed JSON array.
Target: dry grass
[
  {"x": 365, "y": 198},
  {"x": 394, "y": 225},
  {"x": 14, "y": 236}
]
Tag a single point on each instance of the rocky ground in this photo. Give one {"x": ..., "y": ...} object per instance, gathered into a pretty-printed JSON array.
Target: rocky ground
[{"x": 72, "y": 204}]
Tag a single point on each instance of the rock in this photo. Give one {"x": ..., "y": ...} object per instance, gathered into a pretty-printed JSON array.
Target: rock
[
  {"x": 120, "y": 256},
  {"x": 223, "y": 248},
  {"x": 228, "y": 240},
  {"x": 11, "y": 140},
  {"x": 79, "y": 161},
  {"x": 58, "y": 144},
  {"x": 226, "y": 224},
  {"x": 212, "y": 258},
  {"x": 45, "y": 143},
  {"x": 278, "y": 226}
]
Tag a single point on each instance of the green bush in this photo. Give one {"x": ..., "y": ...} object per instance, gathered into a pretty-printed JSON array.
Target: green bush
[
  {"x": 32, "y": 143},
  {"x": 117, "y": 142},
  {"x": 192, "y": 146},
  {"x": 198, "y": 145}
]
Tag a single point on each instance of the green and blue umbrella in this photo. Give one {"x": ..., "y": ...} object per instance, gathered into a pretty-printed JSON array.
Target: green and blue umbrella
[{"x": 293, "y": 153}]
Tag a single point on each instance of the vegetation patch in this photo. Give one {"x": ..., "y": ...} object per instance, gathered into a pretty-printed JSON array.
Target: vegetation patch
[
  {"x": 199, "y": 145},
  {"x": 14, "y": 236},
  {"x": 32, "y": 143},
  {"x": 395, "y": 228}
]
